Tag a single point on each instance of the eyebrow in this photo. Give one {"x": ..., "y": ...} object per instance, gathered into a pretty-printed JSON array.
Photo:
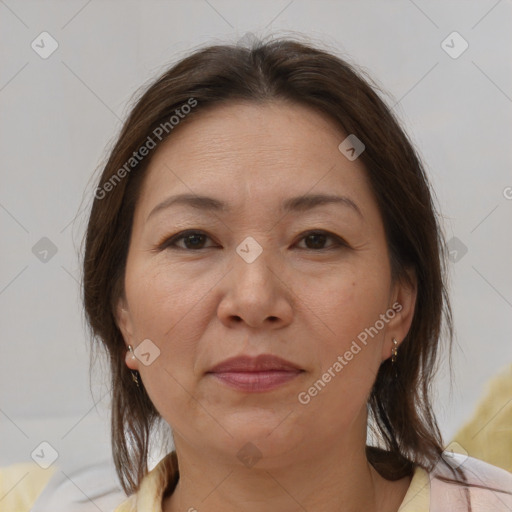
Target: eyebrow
[{"x": 293, "y": 204}]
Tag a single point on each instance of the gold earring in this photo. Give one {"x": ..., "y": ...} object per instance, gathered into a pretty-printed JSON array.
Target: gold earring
[
  {"x": 394, "y": 351},
  {"x": 135, "y": 378},
  {"x": 134, "y": 373}
]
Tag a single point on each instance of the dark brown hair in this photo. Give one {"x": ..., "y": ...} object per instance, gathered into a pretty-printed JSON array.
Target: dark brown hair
[{"x": 399, "y": 405}]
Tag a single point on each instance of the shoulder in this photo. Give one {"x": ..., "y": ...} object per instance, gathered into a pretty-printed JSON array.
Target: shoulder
[
  {"x": 129, "y": 505},
  {"x": 485, "y": 486},
  {"x": 153, "y": 487},
  {"x": 27, "y": 486},
  {"x": 21, "y": 484}
]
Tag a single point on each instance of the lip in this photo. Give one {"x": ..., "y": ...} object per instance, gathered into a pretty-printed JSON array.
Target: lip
[
  {"x": 261, "y": 363},
  {"x": 255, "y": 374}
]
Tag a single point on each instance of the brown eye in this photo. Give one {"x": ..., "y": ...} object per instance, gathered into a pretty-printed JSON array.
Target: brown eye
[
  {"x": 192, "y": 240},
  {"x": 315, "y": 240}
]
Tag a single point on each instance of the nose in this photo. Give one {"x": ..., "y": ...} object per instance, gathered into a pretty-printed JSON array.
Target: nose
[{"x": 256, "y": 294}]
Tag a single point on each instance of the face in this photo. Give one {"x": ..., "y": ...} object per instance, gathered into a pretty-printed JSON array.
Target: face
[{"x": 309, "y": 283}]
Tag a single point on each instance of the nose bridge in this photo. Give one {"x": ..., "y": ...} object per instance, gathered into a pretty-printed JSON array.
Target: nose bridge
[
  {"x": 255, "y": 292},
  {"x": 253, "y": 262}
]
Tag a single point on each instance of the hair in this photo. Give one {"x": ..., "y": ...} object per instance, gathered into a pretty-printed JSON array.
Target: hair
[{"x": 399, "y": 405}]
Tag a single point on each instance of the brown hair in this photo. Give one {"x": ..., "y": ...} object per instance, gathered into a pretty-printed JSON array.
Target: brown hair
[{"x": 399, "y": 405}]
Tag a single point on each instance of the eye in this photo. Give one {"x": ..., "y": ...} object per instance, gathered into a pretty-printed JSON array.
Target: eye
[
  {"x": 316, "y": 240},
  {"x": 193, "y": 240}
]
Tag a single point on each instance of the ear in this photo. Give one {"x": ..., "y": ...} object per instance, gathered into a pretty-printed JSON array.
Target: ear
[
  {"x": 125, "y": 324},
  {"x": 403, "y": 302}
]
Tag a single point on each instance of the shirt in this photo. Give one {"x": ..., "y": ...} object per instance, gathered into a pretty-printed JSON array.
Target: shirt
[
  {"x": 75, "y": 487},
  {"x": 21, "y": 484},
  {"x": 26, "y": 487},
  {"x": 427, "y": 491}
]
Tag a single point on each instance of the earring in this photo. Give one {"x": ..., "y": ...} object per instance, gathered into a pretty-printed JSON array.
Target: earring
[
  {"x": 394, "y": 351},
  {"x": 134, "y": 373}
]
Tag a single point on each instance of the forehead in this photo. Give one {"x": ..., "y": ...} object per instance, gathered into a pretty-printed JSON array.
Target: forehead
[{"x": 247, "y": 151}]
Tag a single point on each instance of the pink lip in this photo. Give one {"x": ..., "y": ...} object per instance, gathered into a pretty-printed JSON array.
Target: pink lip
[{"x": 255, "y": 374}]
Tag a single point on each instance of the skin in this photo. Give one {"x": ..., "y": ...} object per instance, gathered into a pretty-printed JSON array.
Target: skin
[{"x": 301, "y": 299}]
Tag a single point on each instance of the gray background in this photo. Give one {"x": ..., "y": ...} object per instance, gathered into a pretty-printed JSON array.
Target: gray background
[{"x": 59, "y": 115}]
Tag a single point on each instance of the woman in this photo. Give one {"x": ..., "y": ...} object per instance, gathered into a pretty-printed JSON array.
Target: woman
[{"x": 264, "y": 266}]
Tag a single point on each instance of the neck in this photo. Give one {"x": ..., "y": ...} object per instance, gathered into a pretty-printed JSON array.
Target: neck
[{"x": 336, "y": 478}]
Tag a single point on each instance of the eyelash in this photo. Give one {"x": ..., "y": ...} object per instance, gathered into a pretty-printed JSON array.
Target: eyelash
[{"x": 170, "y": 243}]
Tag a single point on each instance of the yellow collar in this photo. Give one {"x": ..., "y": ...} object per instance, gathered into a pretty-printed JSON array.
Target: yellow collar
[{"x": 162, "y": 480}]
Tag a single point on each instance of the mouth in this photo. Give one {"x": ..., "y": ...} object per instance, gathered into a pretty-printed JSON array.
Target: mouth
[{"x": 255, "y": 374}]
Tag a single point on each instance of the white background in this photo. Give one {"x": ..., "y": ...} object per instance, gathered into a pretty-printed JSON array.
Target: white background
[{"x": 58, "y": 116}]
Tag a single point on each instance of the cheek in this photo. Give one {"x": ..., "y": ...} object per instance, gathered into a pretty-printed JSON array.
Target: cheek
[
  {"x": 346, "y": 304},
  {"x": 349, "y": 307},
  {"x": 162, "y": 298},
  {"x": 165, "y": 308},
  {"x": 348, "y": 357}
]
